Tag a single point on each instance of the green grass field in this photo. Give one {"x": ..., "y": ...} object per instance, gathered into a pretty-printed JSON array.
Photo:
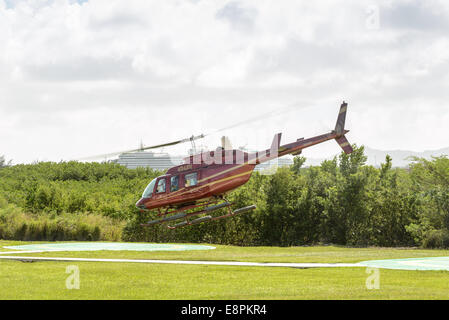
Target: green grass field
[{"x": 99, "y": 280}]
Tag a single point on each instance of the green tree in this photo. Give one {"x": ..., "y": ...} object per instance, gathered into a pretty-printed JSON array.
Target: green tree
[
  {"x": 3, "y": 162},
  {"x": 347, "y": 208},
  {"x": 298, "y": 163},
  {"x": 430, "y": 182}
]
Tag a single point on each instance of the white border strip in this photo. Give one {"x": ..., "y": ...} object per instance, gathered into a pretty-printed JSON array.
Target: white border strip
[{"x": 215, "y": 263}]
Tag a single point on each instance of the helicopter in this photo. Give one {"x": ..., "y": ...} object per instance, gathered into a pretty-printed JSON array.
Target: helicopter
[{"x": 201, "y": 184}]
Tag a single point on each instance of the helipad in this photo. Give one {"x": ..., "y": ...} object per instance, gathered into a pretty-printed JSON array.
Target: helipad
[
  {"x": 116, "y": 246},
  {"x": 428, "y": 263},
  {"x": 431, "y": 263}
]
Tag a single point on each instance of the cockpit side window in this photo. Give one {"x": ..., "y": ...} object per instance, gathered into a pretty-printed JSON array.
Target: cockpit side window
[
  {"x": 174, "y": 183},
  {"x": 160, "y": 186},
  {"x": 149, "y": 189},
  {"x": 191, "y": 179}
]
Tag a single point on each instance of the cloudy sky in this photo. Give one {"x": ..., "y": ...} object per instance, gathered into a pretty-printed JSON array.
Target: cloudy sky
[{"x": 80, "y": 78}]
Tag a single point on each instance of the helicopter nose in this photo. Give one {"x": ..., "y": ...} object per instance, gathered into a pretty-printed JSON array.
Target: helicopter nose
[{"x": 141, "y": 204}]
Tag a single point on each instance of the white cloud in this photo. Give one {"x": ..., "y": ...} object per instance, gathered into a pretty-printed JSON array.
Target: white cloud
[{"x": 82, "y": 77}]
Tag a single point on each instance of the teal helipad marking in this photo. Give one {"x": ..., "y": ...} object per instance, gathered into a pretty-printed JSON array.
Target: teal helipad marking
[
  {"x": 116, "y": 246},
  {"x": 431, "y": 263}
]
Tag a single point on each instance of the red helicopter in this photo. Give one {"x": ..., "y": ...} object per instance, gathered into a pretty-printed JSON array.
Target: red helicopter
[{"x": 200, "y": 184}]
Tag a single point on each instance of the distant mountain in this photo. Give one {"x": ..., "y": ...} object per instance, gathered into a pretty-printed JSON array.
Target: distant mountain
[{"x": 400, "y": 157}]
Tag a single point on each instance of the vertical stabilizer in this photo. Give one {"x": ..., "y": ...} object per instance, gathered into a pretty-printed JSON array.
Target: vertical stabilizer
[
  {"x": 340, "y": 129},
  {"x": 226, "y": 143},
  {"x": 340, "y": 126}
]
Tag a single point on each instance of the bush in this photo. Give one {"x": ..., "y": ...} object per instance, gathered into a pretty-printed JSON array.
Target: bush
[
  {"x": 342, "y": 201},
  {"x": 436, "y": 239},
  {"x": 15, "y": 225}
]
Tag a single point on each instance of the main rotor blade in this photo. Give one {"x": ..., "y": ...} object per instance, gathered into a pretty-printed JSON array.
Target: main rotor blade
[
  {"x": 108, "y": 155},
  {"x": 270, "y": 114},
  {"x": 263, "y": 116}
]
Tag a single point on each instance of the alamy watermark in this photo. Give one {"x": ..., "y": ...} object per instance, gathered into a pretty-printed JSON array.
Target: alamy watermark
[
  {"x": 372, "y": 21},
  {"x": 222, "y": 155},
  {"x": 73, "y": 280},
  {"x": 373, "y": 280}
]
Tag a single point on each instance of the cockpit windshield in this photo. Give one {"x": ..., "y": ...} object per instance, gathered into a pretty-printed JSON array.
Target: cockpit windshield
[{"x": 149, "y": 189}]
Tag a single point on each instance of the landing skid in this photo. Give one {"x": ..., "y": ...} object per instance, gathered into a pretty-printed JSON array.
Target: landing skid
[
  {"x": 210, "y": 218},
  {"x": 186, "y": 216}
]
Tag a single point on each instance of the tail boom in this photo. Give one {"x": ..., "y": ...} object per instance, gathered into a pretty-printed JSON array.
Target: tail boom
[{"x": 295, "y": 148}]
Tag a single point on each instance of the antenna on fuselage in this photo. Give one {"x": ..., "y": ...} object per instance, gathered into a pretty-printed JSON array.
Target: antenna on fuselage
[
  {"x": 192, "y": 141},
  {"x": 141, "y": 146}
]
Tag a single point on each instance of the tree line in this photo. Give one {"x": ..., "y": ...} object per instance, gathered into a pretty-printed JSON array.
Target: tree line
[{"x": 342, "y": 201}]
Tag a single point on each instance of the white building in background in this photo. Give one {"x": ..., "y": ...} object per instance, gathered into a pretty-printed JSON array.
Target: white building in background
[
  {"x": 271, "y": 165},
  {"x": 156, "y": 161},
  {"x": 164, "y": 161}
]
